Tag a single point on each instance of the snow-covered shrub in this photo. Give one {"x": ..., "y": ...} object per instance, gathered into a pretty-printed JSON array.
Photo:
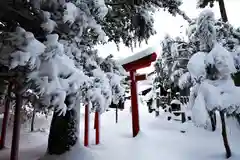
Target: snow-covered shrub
[{"x": 211, "y": 69}]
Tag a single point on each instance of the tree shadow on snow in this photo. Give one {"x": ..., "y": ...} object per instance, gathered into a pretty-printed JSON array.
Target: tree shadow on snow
[{"x": 221, "y": 156}]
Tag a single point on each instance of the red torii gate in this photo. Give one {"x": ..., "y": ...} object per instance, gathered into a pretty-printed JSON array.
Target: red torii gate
[{"x": 132, "y": 64}]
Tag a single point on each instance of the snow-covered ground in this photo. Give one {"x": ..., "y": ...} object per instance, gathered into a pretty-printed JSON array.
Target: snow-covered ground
[
  {"x": 158, "y": 139},
  {"x": 32, "y": 144}
]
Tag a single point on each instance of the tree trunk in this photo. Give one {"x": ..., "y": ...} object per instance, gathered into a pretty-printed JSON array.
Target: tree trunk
[
  {"x": 224, "y": 135},
  {"x": 223, "y": 10},
  {"x": 17, "y": 126},
  {"x": 6, "y": 116},
  {"x": 183, "y": 14},
  {"x": 33, "y": 119},
  {"x": 213, "y": 119},
  {"x": 63, "y": 132},
  {"x": 35, "y": 107},
  {"x": 238, "y": 118}
]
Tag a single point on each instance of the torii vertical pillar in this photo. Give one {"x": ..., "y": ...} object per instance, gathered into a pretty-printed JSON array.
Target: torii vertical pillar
[
  {"x": 86, "y": 126},
  {"x": 134, "y": 103},
  {"x": 132, "y": 64},
  {"x": 97, "y": 127}
]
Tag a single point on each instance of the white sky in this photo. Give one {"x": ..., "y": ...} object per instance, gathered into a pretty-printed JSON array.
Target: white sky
[{"x": 166, "y": 23}]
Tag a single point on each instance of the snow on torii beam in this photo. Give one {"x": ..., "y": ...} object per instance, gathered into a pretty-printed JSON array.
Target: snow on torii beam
[{"x": 132, "y": 64}]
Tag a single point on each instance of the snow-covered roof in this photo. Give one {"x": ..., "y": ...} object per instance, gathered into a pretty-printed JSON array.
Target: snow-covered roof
[
  {"x": 148, "y": 96},
  {"x": 175, "y": 101},
  {"x": 137, "y": 56},
  {"x": 143, "y": 88}
]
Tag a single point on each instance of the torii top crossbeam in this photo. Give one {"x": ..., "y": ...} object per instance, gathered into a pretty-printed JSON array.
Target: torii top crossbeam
[
  {"x": 132, "y": 64},
  {"x": 139, "y": 60}
]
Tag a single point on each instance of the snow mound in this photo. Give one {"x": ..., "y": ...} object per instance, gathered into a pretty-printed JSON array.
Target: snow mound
[{"x": 175, "y": 101}]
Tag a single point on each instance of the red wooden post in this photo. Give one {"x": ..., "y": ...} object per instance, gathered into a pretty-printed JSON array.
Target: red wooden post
[
  {"x": 134, "y": 103},
  {"x": 141, "y": 77},
  {"x": 5, "y": 118},
  {"x": 16, "y": 128},
  {"x": 97, "y": 125},
  {"x": 86, "y": 129},
  {"x": 95, "y": 121}
]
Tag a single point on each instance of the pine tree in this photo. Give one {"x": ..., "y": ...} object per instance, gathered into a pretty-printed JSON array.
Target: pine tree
[
  {"x": 173, "y": 62},
  {"x": 133, "y": 19}
]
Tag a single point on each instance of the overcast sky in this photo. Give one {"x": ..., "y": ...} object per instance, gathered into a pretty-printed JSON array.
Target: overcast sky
[{"x": 166, "y": 23}]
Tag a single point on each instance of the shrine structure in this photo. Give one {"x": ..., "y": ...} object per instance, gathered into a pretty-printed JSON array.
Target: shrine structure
[{"x": 131, "y": 64}]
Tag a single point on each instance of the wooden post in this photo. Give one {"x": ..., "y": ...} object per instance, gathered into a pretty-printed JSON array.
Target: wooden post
[
  {"x": 117, "y": 113},
  {"x": 33, "y": 119},
  {"x": 183, "y": 117},
  {"x": 6, "y": 116},
  {"x": 134, "y": 101},
  {"x": 95, "y": 121},
  {"x": 35, "y": 106},
  {"x": 157, "y": 104},
  {"x": 97, "y": 125},
  {"x": 16, "y": 128},
  {"x": 86, "y": 129}
]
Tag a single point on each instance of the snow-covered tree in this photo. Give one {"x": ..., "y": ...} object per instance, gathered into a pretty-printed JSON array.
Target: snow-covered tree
[
  {"x": 211, "y": 69},
  {"x": 227, "y": 35},
  {"x": 66, "y": 72},
  {"x": 172, "y": 63},
  {"x": 63, "y": 85}
]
